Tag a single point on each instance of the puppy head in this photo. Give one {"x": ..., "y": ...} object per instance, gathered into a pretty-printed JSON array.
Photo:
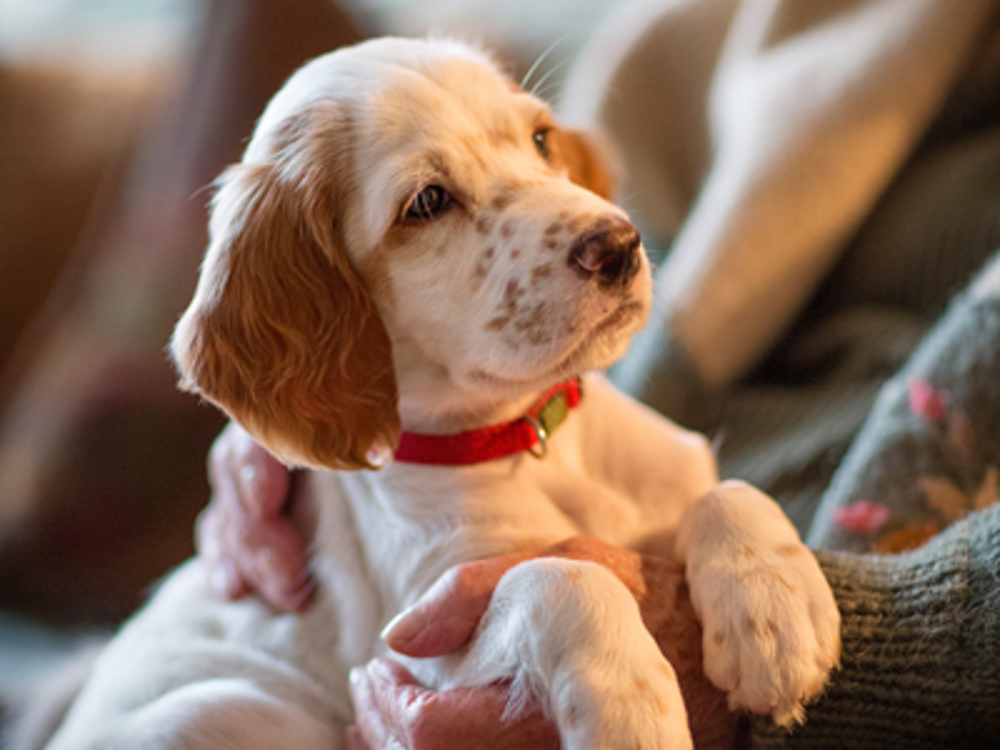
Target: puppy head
[{"x": 407, "y": 230}]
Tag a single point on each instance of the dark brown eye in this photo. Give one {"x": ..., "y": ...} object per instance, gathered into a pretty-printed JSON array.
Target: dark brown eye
[
  {"x": 430, "y": 202},
  {"x": 541, "y": 140}
]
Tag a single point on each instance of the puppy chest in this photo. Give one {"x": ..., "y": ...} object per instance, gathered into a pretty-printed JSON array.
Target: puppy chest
[{"x": 595, "y": 508}]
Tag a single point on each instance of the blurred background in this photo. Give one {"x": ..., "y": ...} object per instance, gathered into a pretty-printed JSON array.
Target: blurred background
[{"x": 115, "y": 116}]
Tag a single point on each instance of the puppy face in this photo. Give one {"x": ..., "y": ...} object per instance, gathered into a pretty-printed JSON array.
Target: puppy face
[{"x": 407, "y": 231}]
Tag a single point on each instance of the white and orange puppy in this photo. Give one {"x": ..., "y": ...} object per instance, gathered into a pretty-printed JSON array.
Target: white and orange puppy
[{"x": 412, "y": 254}]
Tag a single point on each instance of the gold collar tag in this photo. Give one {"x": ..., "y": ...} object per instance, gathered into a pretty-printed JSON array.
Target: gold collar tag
[{"x": 545, "y": 421}]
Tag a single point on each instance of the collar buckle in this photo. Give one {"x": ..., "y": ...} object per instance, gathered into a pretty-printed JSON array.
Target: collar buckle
[
  {"x": 540, "y": 449},
  {"x": 547, "y": 418}
]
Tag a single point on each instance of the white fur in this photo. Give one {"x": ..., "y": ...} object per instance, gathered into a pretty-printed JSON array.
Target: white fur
[{"x": 190, "y": 671}]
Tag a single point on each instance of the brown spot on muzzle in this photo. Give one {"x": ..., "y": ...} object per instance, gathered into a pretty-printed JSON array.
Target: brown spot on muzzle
[
  {"x": 484, "y": 224},
  {"x": 500, "y": 202},
  {"x": 540, "y": 272}
]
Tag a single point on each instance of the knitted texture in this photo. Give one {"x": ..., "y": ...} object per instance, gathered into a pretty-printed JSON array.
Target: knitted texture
[
  {"x": 926, "y": 464},
  {"x": 921, "y": 635}
]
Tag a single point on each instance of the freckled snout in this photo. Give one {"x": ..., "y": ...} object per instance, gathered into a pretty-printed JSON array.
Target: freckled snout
[{"x": 608, "y": 254}]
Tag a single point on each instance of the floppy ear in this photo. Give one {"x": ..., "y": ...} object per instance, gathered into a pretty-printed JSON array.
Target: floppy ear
[
  {"x": 588, "y": 158},
  {"x": 281, "y": 333}
]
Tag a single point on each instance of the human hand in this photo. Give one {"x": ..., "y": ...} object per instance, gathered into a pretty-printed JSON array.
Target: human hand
[
  {"x": 393, "y": 710},
  {"x": 245, "y": 536}
]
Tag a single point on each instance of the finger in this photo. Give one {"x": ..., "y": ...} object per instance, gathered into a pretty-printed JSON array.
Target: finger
[
  {"x": 263, "y": 481},
  {"x": 243, "y": 553},
  {"x": 367, "y": 710},
  {"x": 221, "y": 475},
  {"x": 223, "y": 576},
  {"x": 394, "y": 709},
  {"x": 218, "y": 526},
  {"x": 272, "y": 558},
  {"x": 445, "y": 617},
  {"x": 207, "y": 537},
  {"x": 242, "y": 471}
]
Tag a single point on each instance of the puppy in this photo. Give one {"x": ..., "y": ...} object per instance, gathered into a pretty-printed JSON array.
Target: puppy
[{"x": 407, "y": 272}]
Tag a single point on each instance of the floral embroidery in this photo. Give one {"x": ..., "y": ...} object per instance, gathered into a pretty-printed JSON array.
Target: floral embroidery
[
  {"x": 927, "y": 402},
  {"x": 989, "y": 491},
  {"x": 943, "y": 496},
  {"x": 909, "y": 537},
  {"x": 862, "y": 517}
]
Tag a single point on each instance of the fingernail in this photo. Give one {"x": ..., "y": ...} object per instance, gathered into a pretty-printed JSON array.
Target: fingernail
[
  {"x": 404, "y": 627},
  {"x": 248, "y": 474},
  {"x": 250, "y": 480}
]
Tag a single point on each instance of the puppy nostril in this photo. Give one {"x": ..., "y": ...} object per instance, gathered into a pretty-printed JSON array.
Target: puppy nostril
[{"x": 609, "y": 254}]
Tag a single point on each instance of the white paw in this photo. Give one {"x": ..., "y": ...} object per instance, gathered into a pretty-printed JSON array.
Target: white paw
[
  {"x": 771, "y": 625},
  {"x": 571, "y": 635},
  {"x": 637, "y": 708}
]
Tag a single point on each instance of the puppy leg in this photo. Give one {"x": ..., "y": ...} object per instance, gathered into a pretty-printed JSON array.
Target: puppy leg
[
  {"x": 571, "y": 635},
  {"x": 218, "y": 714},
  {"x": 771, "y": 625}
]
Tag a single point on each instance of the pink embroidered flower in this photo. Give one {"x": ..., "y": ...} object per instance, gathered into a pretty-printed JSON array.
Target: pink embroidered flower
[
  {"x": 927, "y": 402},
  {"x": 862, "y": 517}
]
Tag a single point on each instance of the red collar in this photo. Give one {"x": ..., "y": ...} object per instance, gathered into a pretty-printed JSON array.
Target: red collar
[{"x": 529, "y": 433}]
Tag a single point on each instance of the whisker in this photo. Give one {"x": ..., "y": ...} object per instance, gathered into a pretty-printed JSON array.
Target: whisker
[
  {"x": 552, "y": 71},
  {"x": 541, "y": 58}
]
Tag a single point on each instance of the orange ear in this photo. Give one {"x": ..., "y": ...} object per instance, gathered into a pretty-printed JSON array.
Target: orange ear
[
  {"x": 282, "y": 334},
  {"x": 588, "y": 159}
]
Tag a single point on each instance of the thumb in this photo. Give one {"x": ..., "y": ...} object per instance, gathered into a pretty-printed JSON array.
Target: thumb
[
  {"x": 445, "y": 617},
  {"x": 393, "y": 710}
]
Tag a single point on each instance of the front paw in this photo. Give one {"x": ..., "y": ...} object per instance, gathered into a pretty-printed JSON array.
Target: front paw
[
  {"x": 625, "y": 707},
  {"x": 771, "y": 625}
]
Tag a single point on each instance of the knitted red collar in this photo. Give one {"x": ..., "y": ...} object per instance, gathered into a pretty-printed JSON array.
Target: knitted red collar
[{"x": 529, "y": 433}]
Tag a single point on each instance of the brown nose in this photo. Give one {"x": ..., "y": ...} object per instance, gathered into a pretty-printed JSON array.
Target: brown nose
[{"x": 608, "y": 254}]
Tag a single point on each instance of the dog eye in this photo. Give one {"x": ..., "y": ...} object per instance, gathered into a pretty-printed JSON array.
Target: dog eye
[
  {"x": 428, "y": 203},
  {"x": 541, "y": 140}
]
